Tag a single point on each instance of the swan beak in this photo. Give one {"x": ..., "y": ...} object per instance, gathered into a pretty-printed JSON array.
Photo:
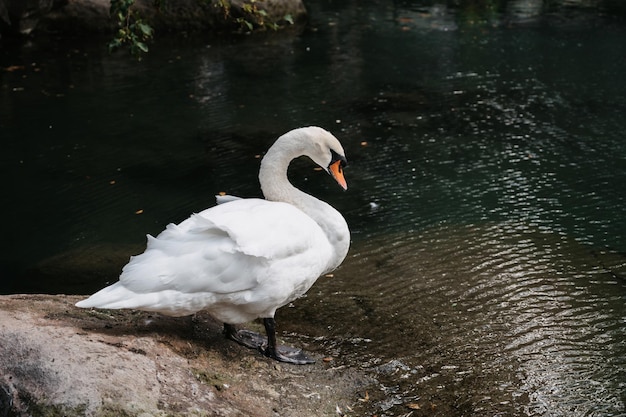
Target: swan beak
[{"x": 336, "y": 170}]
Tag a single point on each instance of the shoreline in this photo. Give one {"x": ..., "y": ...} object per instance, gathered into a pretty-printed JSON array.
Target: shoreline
[{"x": 56, "y": 357}]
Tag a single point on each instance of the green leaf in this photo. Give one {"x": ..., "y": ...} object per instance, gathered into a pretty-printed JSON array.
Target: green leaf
[
  {"x": 146, "y": 30},
  {"x": 142, "y": 46},
  {"x": 288, "y": 18}
]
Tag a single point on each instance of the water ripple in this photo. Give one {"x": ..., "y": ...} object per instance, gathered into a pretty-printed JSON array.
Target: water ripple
[{"x": 469, "y": 307}]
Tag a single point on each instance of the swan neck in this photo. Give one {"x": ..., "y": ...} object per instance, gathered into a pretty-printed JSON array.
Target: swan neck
[
  {"x": 273, "y": 173},
  {"x": 276, "y": 187}
]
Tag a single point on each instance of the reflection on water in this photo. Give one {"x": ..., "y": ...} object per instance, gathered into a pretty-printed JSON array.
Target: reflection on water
[
  {"x": 519, "y": 322},
  {"x": 488, "y": 269}
]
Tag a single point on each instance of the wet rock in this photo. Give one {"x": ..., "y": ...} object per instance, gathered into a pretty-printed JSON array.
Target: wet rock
[
  {"x": 56, "y": 359},
  {"x": 92, "y": 16},
  {"x": 392, "y": 367}
]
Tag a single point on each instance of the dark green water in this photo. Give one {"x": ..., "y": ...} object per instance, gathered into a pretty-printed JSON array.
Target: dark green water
[{"x": 486, "y": 190}]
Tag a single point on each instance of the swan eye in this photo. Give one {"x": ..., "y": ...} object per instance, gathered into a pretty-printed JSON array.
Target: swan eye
[{"x": 335, "y": 157}]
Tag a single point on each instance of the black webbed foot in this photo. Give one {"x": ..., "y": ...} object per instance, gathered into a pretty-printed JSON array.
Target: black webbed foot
[
  {"x": 267, "y": 346},
  {"x": 282, "y": 353},
  {"x": 244, "y": 337},
  {"x": 287, "y": 354}
]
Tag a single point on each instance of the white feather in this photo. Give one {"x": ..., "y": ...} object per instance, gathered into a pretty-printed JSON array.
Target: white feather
[{"x": 243, "y": 258}]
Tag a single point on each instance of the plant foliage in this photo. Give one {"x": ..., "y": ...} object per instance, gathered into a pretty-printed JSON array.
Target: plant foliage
[
  {"x": 132, "y": 31},
  {"x": 251, "y": 16}
]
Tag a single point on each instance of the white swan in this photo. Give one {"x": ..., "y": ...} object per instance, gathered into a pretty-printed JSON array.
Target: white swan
[{"x": 244, "y": 258}]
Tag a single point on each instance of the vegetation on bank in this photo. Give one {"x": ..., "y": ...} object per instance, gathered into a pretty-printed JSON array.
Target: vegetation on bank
[{"x": 134, "y": 33}]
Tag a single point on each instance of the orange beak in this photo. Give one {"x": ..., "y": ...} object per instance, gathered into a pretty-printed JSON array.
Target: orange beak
[{"x": 337, "y": 173}]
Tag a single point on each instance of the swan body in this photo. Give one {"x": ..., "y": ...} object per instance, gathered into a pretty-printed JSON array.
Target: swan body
[{"x": 244, "y": 258}]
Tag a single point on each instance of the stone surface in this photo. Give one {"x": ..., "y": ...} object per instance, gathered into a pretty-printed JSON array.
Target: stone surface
[
  {"x": 56, "y": 359},
  {"x": 92, "y": 16}
]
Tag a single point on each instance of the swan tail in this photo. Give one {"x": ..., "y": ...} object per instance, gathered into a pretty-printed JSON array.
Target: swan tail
[{"x": 115, "y": 296}]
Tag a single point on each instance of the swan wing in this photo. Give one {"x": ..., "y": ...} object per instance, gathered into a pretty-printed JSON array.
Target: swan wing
[
  {"x": 243, "y": 245},
  {"x": 261, "y": 228}
]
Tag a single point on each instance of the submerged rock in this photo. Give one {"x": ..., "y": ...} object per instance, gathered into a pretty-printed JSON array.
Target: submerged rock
[{"x": 56, "y": 359}]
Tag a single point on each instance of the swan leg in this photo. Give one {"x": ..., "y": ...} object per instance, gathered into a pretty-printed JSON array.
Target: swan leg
[{"x": 282, "y": 353}]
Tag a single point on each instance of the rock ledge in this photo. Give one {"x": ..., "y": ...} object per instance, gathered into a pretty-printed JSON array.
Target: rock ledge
[
  {"x": 92, "y": 16},
  {"x": 56, "y": 359}
]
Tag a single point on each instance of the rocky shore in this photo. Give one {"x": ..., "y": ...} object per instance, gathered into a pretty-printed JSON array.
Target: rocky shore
[
  {"x": 93, "y": 16},
  {"x": 59, "y": 360}
]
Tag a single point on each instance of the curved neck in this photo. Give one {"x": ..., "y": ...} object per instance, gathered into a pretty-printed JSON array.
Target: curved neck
[
  {"x": 276, "y": 187},
  {"x": 273, "y": 173}
]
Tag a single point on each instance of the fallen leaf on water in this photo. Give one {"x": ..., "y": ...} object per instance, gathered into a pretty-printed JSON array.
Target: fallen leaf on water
[
  {"x": 329, "y": 275},
  {"x": 14, "y": 68},
  {"x": 140, "y": 211}
]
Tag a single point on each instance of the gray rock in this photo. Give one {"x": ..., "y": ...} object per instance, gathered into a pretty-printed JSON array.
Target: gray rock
[{"x": 56, "y": 359}]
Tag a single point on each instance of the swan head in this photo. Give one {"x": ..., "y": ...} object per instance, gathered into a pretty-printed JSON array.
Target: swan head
[
  {"x": 314, "y": 142},
  {"x": 326, "y": 151}
]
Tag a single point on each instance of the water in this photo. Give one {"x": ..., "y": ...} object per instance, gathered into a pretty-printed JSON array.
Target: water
[{"x": 486, "y": 149}]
